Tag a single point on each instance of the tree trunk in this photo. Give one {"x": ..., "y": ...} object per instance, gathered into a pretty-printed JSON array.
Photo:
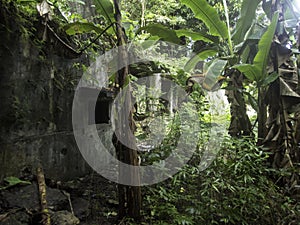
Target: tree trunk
[
  {"x": 129, "y": 196},
  {"x": 261, "y": 116},
  {"x": 240, "y": 124}
]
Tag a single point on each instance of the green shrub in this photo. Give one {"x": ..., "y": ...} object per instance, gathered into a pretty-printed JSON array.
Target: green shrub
[{"x": 235, "y": 189}]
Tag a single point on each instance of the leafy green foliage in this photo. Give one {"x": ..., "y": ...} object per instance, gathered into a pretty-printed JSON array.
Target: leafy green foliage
[
  {"x": 250, "y": 71},
  {"x": 213, "y": 72},
  {"x": 106, "y": 9},
  {"x": 13, "y": 181},
  {"x": 257, "y": 70},
  {"x": 235, "y": 189},
  {"x": 247, "y": 16},
  {"x": 201, "y": 56},
  {"x": 209, "y": 16},
  {"x": 264, "y": 45},
  {"x": 197, "y": 36},
  {"x": 269, "y": 79},
  {"x": 79, "y": 28},
  {"x": 161, "y": 31}
]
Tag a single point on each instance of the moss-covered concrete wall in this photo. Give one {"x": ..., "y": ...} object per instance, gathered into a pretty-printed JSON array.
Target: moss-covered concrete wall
[{"x": 37, "y": 83}]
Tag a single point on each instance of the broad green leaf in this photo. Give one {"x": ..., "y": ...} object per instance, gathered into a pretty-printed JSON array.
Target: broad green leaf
[
  {"x": 199, "y": 57},
  {"x": 161, "y": 31},
  {"x": 12, "y": 181},
  {"x": 213, "y": 73},
  {"x": 106, "y": 9},
  {"x": 255, "y": 32},
  {"x": 269, "y": 79},
  {"x": 264, "y": 45},
  {"x": 79, "y": 28},
  {"x": 250, "y": 71},
  {"x": 257, "y": 71},
  {"x": 197, "y": 36},
  {"x": 205, "y": 12},
  {"x": 150, "y": 42},
  {"x": 245, "y": 54},
  {"x": 247, "y": 15}
]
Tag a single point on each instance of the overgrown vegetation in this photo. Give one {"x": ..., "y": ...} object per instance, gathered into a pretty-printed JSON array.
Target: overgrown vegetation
[
  {"x": 250, "y": 49},
  {"x": 236, "y": 189}
]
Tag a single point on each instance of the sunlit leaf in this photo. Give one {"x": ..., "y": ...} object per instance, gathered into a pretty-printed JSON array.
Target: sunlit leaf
[
  {"x": 205, "y": 12},
  {"x": 213, "y": 73},
  {"x": 13, "y": 181},
  {"x": 79, "y": 28},
  {"x": 247, "y": 15},
  {"x": 150, "y": 42},
  {"x": 257, "y": 71},
  {"x": 197, "y": 36},
  {"x": 26, "y": 1},
  {"x": 250, "y": 71},
  {"x": 161, "y": 31},
  {"x": 264, "y": 45},
  {"x": 106, "y": 9},
  {"x": 199, "y": 57}
]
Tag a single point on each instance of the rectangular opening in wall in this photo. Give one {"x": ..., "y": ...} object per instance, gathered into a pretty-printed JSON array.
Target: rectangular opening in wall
[{"x": 101, "y": 112}]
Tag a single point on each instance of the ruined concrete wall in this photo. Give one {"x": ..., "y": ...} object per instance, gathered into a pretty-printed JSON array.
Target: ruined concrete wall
[{"x": 36, "y": 91}]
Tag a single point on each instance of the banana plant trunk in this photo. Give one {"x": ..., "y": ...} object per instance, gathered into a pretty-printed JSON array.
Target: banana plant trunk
[
  {"x": 279, "y": 107},
  {"x": 261, "y": 116},
  {"x": 240, "y": 124}
]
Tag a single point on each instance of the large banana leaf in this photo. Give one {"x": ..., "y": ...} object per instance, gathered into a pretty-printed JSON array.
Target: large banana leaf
[
  {"x": 79, "y": 28},
  {"x": 213, "y": 73},
  {"x": 106, "y": 9},
  {"x": 161, "y": 31},
  {"x": 264, "y": 45},
  {"x": 197, "y": 36},
  {"x": 199, "y": 57},
  {"x": 257, "y": 71},
  {"x": 205, "y": 12},
  {"x": 269, "y": 79},
  {"x": 247, "y": 15},
  {"x": 250, "y": 71}
]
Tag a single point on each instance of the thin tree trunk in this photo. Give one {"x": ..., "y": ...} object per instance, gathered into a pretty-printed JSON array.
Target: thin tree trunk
[
  {"x": 143, "y": 4},
  {"x": 129, "y": 196},
  {"x": 262, "y": 116}
]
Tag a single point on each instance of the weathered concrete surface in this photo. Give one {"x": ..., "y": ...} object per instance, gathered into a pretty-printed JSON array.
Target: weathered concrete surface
[{"x": 37, "y": 84}]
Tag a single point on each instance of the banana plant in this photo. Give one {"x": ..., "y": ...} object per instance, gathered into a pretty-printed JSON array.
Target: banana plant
[
  {"x": 226, "y": 48},
  {"x": 105, "y": 9},
  {"x": 237, "y": 48},
  {"x": 273, "y": 71},
  {"x": 258, "y": 70}
]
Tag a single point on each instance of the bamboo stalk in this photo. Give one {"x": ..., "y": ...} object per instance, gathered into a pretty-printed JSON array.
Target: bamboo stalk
[{"x": 43, "y": 200}]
